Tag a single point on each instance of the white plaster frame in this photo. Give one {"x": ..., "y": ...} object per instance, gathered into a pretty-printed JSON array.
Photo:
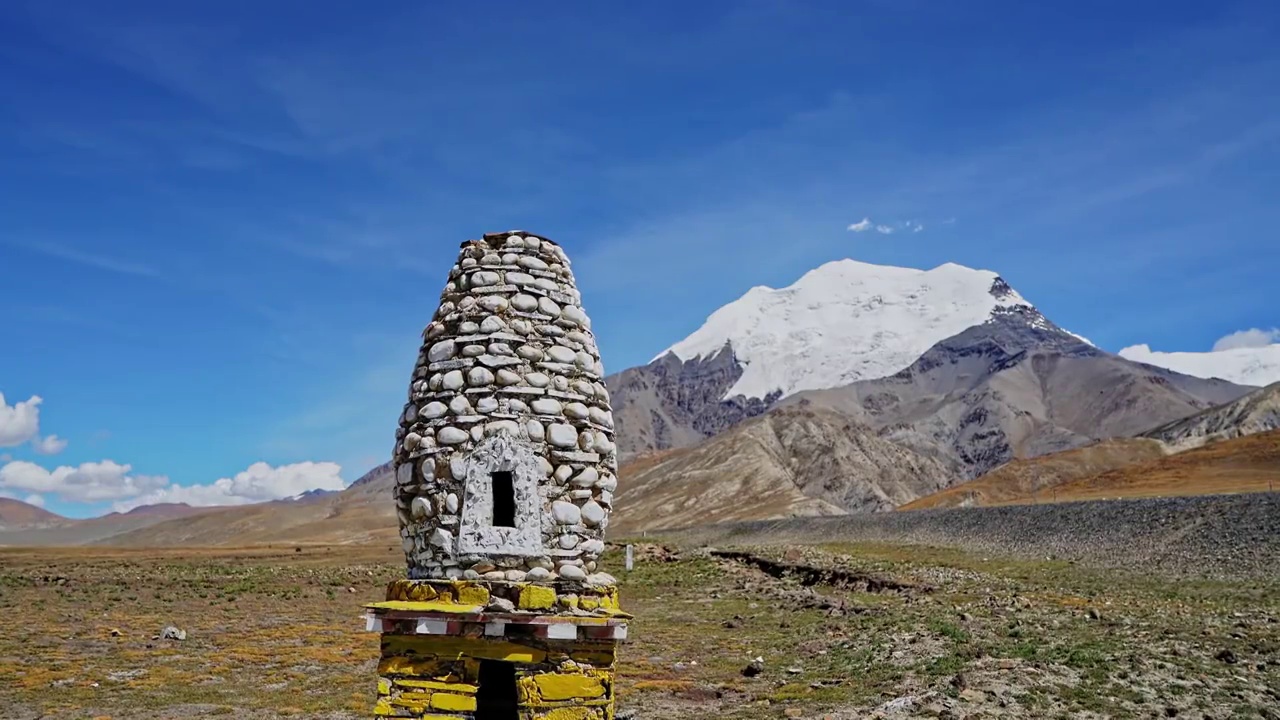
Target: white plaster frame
[{"x": 477, "y": 535}]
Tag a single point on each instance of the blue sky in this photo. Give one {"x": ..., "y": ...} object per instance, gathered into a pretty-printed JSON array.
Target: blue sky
[{"x": 224, "y": 224}]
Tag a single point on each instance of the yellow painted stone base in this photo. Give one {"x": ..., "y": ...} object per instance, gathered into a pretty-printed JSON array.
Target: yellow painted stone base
[
  {"x": 438, "y": 677},
  {"x": 465, "y": 595}
]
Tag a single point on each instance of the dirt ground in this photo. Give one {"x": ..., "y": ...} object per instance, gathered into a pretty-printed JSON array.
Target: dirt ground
[{"x": 841, "y": 631}]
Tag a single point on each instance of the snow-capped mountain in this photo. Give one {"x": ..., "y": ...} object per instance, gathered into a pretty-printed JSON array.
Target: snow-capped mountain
[
  {"x": 1258, "y": 366},
  {"x": 845, "y": 321}
]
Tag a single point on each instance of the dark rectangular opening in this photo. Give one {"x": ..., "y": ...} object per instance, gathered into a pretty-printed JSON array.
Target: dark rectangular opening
[
  {"x": 504, "y": 499},
  {"x": 496, "y": 695}
]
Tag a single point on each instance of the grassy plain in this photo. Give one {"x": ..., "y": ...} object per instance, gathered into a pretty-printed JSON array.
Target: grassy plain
[{"x": 274, "y": 632}]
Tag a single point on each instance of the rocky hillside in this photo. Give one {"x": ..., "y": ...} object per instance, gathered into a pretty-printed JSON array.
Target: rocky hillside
[
  {"x": 1017, "y": 386},
  {"x": 1036, "y": 479},
  {"x": 840, "y": 323},
  {"x": 790, "y": 462},
  {"x": 18, "y": 515},
  {"x": 1256, "y": 412}
]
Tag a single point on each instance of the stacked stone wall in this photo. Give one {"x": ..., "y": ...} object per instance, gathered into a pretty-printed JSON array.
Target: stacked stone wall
[{"x": 508, "y": 371}]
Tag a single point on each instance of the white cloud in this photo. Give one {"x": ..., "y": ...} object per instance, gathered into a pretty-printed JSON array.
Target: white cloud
[
  {"x": 918, "y": 228},
  {"x": 884, "y": 229},
  {"x": 90, "y": 482},
  {"x": 48, "y": 445},
  {"x": 861, "y": 226},
  {"x": 19, "y": 423},
  {"x": 34, "y": 499},
  {"x": 259, "y": 483},
  {"x": 1252, "y": 338}
]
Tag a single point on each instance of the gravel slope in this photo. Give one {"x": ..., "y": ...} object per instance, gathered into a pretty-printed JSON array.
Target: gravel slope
[{"x": 1216, "y": 536}]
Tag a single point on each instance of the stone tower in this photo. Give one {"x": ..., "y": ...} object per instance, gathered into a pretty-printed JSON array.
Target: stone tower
[{"x": 505, "y": 470}]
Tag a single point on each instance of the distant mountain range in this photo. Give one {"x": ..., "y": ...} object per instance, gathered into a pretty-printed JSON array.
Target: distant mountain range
[{"x": 859, "y": 388}]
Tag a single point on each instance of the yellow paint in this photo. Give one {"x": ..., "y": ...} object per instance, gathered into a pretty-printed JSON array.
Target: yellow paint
[
  {"x": 463, "y": 688},
  {"x": 384, "y": 686},
  {"x": 537, "y": 597},
  {"x": 457, "y": 648},
  {"x": 418, "y": 666},
  {"x": 568, "y": 713},
  {"x": 588, "y": 602},
  {"x": 384, "y": 708},
  {"x": 469, "y": 594},
  {"x": 434, "y": 606},
  {"x": 555, "y": 686},
  {"x": 415, "y": 701},
  {"x": 456, "y": 703}
]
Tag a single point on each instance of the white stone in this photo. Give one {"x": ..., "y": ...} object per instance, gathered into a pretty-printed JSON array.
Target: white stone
[
  {"x": 607, "y": 482},
  {"x": 537, "y": 379},
  {"x": 565, "y": 513},
  {"x": 579, "y": 337},
  {"x": 587, "y": 478},
  {"x": 519, "y": 278},
  {"x": 494, "y": 303},
  {"x": 428, "y": 468},
  {"x": 530, "y": 353},
  {"x": 460, "y": 405},
  {"x": 568, "y": 542},
  {"x": 549, "y": 285},
  {"x": 561, "y": 435},
  {"x": 603, "y": 445},
  {"x": 582, "y": 387},
  {"x": 453, "y": 380},
  {"x": 537, "y": 433},
  {"x": 576, "y": 410},
  {"x": 452, "y": 436},
  {"x": 458, "y": 468},
  {"x": 411, "y": 441},
  {"x": 407, "y": 544},
  {"x": 494, "y": 576},
  {"x": 592, "y": 513},
  {"x": 560, "y": 383},
  {"x": 469, "y": 262},
  {"x": 601, "y": 579},
  {"x": 606, "y": 498},
  {"x": 470, "y": 575},
  {"x": 502, "y": 426},
  {"x": 484, "y": 278},
  {"x": 433, "y": 410},
  {"x": 491, "y": 259},
  {"x": 451, "y": 503},
  {"x": 521, "y": 326},
  {"x": 442, "y": 350},
  {"x": 575, "y": 315},
  {"x": 472, "y": 351},
  {"x": 546, "y": 406},
  {"x": 421, "y": 509},
  {"x": 492, "y": 324},
  {"x": 507, "y": 377},
  {"x": 514, "y": 240},
  {"x": 477, "y": 433},
  {"x": 560, "y": 354},
  {"x": 586, "y": 441},
  {"x": 531, "y": 262},
  {"x": 572, "y": 572},
  {"x": 524, "y": 303},
  {"x": 547, "y": 306},
  {"x": 468, "y": 327},
  {"x": 404, "y": 474},
  {"x": 545, "y": 466},
  {"x": 515, "y": 576},
  {"x": 593, "y": 547},
  {"x": 600, "y": 416},
  {"x": 551, "y": 330},
  {"x": 563, "y": 473},
  {"x": 487, "y": 405},
  {"x": 442, "y": 539},
  {"x": 517, "y": 405},
  {"x": 479, "y": 377},
  {"x": 581, "y": 494},
  {"x": 531, "y": 242},
  {"x": 503, "y": 349},
  {"x": 537, "y": 574},
  {"x": 584, "y": 360}
]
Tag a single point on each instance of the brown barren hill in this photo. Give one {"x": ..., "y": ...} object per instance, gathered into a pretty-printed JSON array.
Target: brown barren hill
[
  {"x": 795, "y": 461},
  {"x": 1035, "y": 479},
  {"x": 1239, "y": 465},
  {"x": 15, "y": 514}
]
